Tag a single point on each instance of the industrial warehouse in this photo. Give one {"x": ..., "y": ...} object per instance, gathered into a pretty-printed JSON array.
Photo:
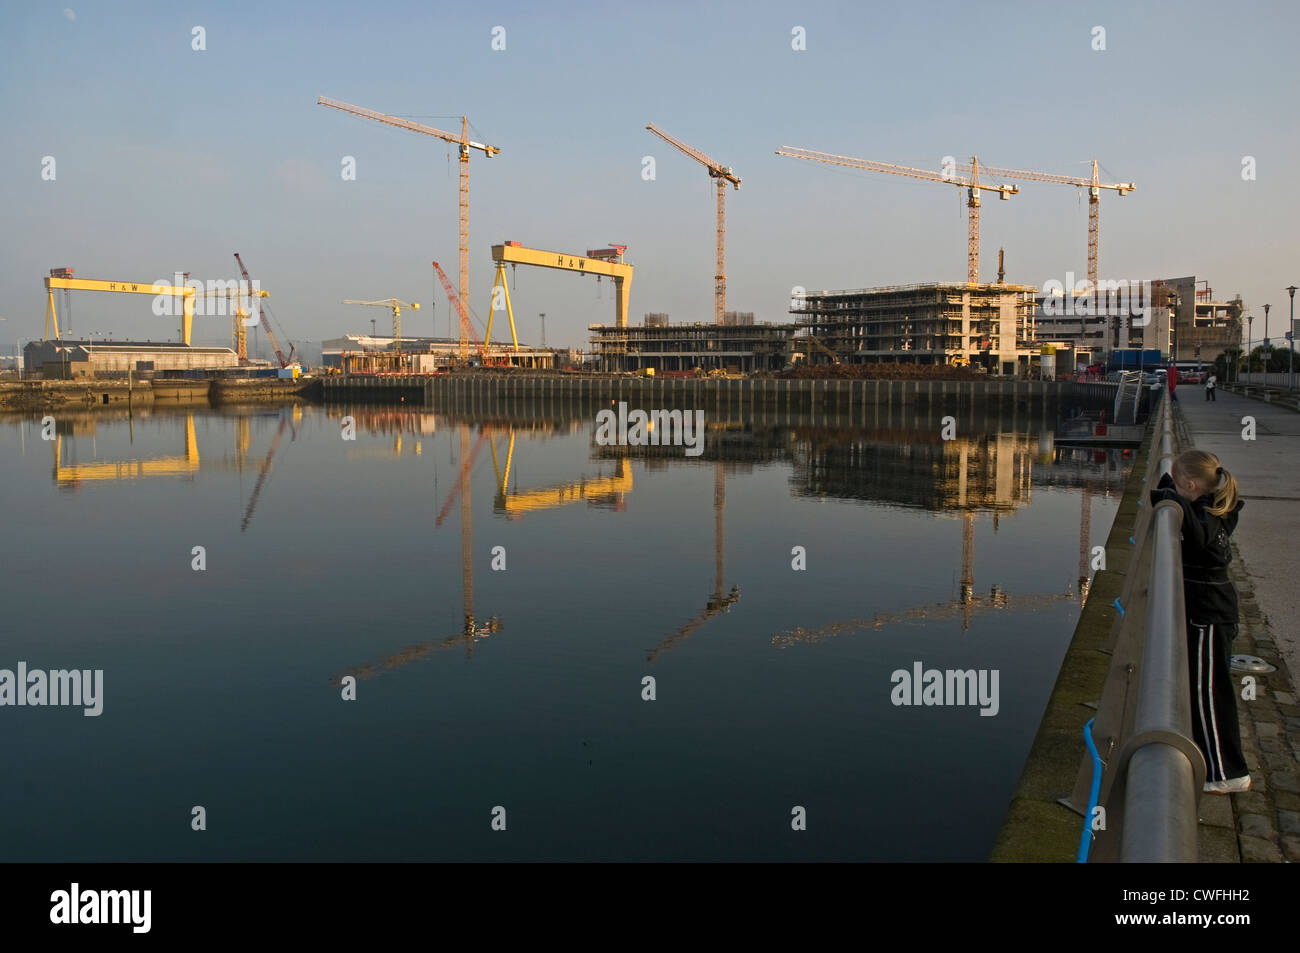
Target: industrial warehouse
[{"x": 70, "y": 360}]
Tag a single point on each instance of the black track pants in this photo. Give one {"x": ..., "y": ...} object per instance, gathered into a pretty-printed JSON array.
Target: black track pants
[{"x": 1214, "y": 700}]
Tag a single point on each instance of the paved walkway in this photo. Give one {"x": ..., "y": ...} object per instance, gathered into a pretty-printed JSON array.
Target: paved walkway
[{"x": 1263, "y": 824}]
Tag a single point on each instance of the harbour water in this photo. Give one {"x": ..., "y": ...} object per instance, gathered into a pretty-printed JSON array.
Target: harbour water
[{"x": 770, "y": 587}]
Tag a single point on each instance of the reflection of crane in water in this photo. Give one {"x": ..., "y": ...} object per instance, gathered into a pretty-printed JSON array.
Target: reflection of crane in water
[
  {"x": 403, "y": 657},
  {"x": 997, "y": 599},
  {"x": 964, "y": 606},
  {"x": 596, "y": 491},
  {"x": 471, "y": 630},
  {"x": 718, "y": 601},
  {"x": 262, "y": 474}
]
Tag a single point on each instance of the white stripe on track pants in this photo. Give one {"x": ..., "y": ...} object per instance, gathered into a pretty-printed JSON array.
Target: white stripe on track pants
[{"x": 1214, "y": 700}]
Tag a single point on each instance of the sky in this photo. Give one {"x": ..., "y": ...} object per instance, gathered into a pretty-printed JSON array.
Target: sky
[{"x": 169, "y": 158}]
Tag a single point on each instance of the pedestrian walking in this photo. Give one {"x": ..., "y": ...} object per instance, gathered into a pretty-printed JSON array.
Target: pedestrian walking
[
  {"x": 1211, "y": 383},
  {"x": 1208, "y": 496},
  {"x": 1172, "y": 378}
]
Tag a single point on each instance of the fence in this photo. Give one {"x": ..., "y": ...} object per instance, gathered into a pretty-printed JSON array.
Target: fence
[{"x": 1278, "y": 379}]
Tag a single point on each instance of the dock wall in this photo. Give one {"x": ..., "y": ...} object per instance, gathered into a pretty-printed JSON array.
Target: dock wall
[
  {"x": 1037, "y": 827},
  {"x": 470, "y": 393}
]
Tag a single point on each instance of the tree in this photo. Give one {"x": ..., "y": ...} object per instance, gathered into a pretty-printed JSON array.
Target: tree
[
  {"x": 1271, "y": 359},
  {"x": 1229, "y": 359}
]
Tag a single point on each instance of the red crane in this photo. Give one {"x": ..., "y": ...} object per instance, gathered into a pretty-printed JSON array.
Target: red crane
[
  {"x": 466, "y": 329},
  {"x": 266, "y": 324}
]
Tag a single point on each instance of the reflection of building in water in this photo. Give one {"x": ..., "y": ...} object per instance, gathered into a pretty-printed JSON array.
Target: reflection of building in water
[
  {"x": 1094, "y": 472},
  {"x": 895, "y": 465},
  {"x": 400, "y": 425},
  {"x": 910, "y": 468}
]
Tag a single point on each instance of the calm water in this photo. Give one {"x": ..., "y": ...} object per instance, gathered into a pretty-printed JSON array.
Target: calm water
[{"x": 327, "y": 558}]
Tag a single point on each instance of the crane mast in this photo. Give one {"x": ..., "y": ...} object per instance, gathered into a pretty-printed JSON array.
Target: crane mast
[
  {"x": 266, "y": 324},
  {"x": 723, "y": 175},
  {"x": 464, "y": 144}
]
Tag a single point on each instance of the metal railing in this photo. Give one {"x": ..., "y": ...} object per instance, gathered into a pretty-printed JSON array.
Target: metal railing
[{"x": 1153, "y": 770}]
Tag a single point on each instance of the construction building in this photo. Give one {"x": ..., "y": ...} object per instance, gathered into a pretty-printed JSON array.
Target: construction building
[
  {"x": 67, "y": 360},
  {"x": 988, "y": 325},
  {"x": 1203, "y": 328},
  {"x": 738, "y": 345},
  {"x": 361, "y": 353},
  {"x": 1125, "y": 315}
]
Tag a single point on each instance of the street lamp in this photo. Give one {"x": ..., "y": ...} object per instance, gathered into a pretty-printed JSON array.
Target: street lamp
[
  {"x": 1290, "y": 342},
  {"x": 542, "y": 315},
  {"x": 1250, "y": 339},
  {"x": 1173, "y": 327},
  {"x": 1266, "y": 347}
]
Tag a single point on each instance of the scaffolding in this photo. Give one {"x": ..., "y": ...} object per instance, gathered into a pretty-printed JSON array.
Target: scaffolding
[{"x": 939, "y": 323}]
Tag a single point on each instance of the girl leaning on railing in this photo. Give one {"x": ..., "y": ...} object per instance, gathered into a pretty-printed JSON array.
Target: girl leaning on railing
[{"x": 1208, "y": 496}]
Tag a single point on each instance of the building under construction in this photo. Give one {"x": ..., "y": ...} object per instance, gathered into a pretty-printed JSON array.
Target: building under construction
[
  {"x": 364, "y": 353},
  {"x": 738, "y": 345},
  {"x": 987, "y": 325}
]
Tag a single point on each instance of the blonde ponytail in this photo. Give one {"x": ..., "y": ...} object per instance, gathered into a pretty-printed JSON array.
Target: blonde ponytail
[
  {"x": 1225, "y": 495},
  {"x": 1204, "y": 467}
]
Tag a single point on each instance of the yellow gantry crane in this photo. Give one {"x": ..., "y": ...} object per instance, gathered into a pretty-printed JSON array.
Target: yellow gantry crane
[
  {"x": 465, "y": 144},
  {"x": 970, "y": 182},
  {"x": 397, "y": 307},
  {"x": 1094, "y": 187},
  {"x": 66, "y": 282},
  {"x": 601, "y": 262},
  {"x": 723, "y": 175}
]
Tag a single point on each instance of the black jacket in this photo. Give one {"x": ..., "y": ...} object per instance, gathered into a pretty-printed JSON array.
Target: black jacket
[{"x": 1209, "y": 595}]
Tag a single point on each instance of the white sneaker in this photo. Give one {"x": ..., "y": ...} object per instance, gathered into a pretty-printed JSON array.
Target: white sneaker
[{"x": 1230, "y": 786}]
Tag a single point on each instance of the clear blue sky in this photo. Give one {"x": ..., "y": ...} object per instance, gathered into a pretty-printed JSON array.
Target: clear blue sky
[{"x": 170, "y": 159}]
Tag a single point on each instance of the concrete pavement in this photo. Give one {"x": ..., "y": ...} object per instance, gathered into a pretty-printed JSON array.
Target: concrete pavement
[
  {"x": 1268, "y": 477},
  {"x": 1262, "y": 825}
]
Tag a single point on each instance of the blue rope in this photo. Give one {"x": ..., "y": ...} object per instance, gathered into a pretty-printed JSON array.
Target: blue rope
[
  {"x": 1118, "y": 606},
  {"x": 1085, "y": 839}
]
